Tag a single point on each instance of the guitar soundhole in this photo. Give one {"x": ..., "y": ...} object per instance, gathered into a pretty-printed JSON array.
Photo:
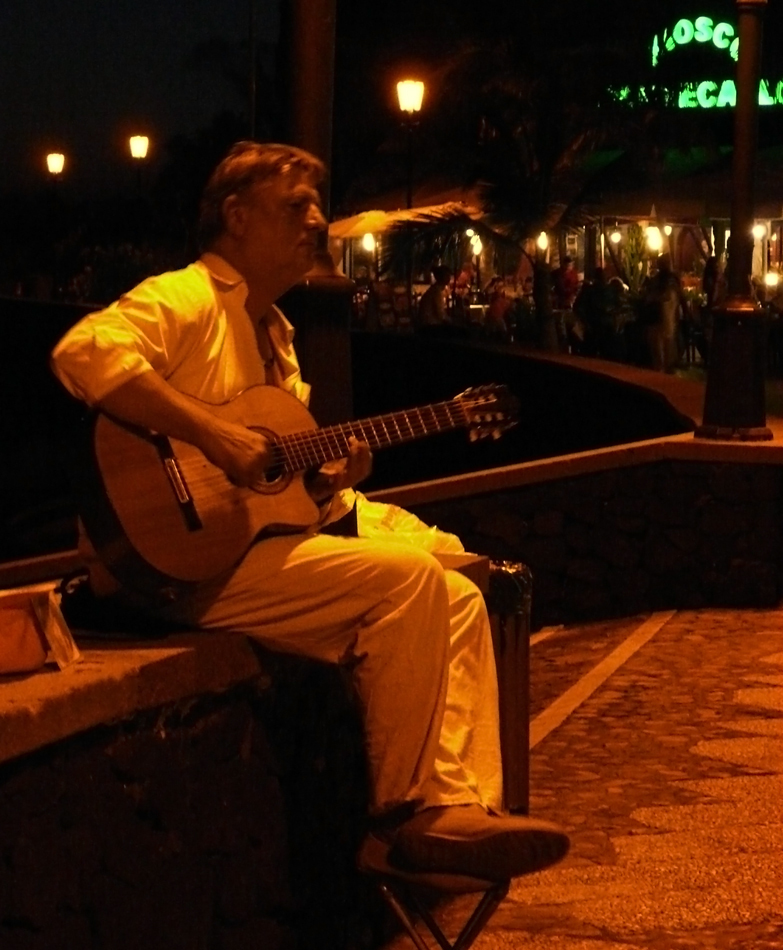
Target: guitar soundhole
[{"x": 275, "y": 478}]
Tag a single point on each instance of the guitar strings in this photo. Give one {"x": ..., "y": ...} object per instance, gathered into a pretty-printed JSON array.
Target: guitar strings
[{"x": 302, "y": 450}]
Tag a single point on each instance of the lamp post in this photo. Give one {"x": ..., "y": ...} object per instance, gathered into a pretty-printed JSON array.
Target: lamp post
[
  {"x": 139, "y": 146},
  {"x": 410, "y": 93},
  {"x": 734, "y": 402},
  {"x": 55, "y": 165}
]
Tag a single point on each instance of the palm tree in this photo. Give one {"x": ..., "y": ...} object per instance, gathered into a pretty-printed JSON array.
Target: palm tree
[{"x": 530, "y": 113}]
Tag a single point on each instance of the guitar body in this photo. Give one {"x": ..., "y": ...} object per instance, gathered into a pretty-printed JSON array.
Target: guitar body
[
  {"x": 162, "y": 518},
  {"x": 157, "y": 540}
]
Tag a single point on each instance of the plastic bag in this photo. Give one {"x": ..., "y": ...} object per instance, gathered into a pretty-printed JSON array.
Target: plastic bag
[{"x": 378, "y": 520}]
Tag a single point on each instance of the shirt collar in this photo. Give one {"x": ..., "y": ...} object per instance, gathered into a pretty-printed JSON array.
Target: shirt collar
[
  {"x": 230, "y": 278},
  {"x": 221, "y": 270}
]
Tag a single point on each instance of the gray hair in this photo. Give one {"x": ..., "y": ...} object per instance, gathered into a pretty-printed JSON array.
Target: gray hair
[{"x": 246, "y": 164}]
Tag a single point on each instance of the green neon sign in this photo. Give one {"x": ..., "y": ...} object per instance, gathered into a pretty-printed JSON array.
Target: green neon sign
[
  {"x": 714, "y": 95},
  {"x": 703, "y": 29},
  {"x": 709, "y": 94}
]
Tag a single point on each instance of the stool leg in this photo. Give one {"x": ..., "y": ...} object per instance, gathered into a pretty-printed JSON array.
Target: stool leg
[
  {"x": 403, "y": 916},
  {"x": 485, "y": 908}
]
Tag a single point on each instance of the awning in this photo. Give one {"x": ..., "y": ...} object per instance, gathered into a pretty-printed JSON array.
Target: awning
[{"x": 376, "y": 222}]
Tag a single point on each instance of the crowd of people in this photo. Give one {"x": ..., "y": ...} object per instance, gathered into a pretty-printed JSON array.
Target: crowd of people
[{"x": 660, "y": 326}]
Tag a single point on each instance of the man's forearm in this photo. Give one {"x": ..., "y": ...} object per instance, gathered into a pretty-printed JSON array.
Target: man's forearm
[{"x": 150, "y": 402}]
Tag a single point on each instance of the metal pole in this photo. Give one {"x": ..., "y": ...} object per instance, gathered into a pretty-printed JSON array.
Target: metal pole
[
  {"x": 734, "y": 402},
  {"x": 252, "y": 66},
  {"x": 409, "y": 205}
]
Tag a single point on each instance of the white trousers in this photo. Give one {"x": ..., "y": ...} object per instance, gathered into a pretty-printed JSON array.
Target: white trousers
[{"x": 415, "y": 637}]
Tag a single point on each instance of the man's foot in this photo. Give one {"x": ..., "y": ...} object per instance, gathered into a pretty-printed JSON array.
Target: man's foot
[{"x": 464, "y": 839}]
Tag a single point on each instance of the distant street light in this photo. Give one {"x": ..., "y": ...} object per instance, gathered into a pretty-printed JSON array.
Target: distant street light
[
  {"x": 55, "y": 163},
  {"x": 139, "y": 146},
  {"x": 410, "y": 94}
]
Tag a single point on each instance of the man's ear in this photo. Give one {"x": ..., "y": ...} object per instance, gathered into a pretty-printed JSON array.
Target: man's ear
[{"x": 234, "y": 215}]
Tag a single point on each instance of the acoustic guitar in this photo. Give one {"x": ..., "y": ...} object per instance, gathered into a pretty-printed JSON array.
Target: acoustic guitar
[{"x": 162, "y": 517}]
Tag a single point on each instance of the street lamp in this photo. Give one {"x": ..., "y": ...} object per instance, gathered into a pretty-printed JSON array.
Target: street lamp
[
  {"x": 55, "y": 163},
  {"x": 139, "y": 146},
  {"x": 410, "y": 94},
  {"x": 734, "y": 401}
]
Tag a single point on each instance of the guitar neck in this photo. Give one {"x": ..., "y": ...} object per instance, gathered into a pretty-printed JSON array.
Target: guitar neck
[{"x": 300, "y": 451}]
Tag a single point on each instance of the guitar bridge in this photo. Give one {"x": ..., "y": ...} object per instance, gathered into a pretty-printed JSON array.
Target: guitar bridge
[{"x": 178, "y": 484}]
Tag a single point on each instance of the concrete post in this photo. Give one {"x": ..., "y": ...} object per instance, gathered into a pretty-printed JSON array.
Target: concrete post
[{"x": 734, "y": 403}]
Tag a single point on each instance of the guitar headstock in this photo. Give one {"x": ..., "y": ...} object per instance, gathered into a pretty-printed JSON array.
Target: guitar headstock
[{"x": 489, "y": 410}]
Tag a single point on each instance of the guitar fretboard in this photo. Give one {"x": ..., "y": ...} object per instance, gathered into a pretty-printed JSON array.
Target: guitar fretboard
[{"x": 300, "y": 451}]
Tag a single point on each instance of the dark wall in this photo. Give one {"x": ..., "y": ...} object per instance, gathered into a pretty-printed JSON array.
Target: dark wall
[
  {"x": 37, "y": 431},
  {"x": 220, "y": 823},
  {"x": 563, "y": 408}
]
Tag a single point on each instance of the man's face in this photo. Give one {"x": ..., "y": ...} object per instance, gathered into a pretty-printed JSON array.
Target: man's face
[{"x": 279, "y": 224}]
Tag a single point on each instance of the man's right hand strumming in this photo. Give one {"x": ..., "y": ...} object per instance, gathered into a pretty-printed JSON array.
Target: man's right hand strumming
[{"x": 242, "y": 453}]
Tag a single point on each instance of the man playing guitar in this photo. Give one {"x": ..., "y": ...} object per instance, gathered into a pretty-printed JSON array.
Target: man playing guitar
[{"x": 416, "y": 637}]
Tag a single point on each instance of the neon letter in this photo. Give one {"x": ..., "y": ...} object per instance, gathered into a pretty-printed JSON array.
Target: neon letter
[
  {"x": 722, "y": 34},
  {"x": 765, "y": 99},
  {"x": 707, "y": 94},
  {"x": 687, "y": 98},
  {"x": 683, "y": 32},
  {"x": 704, "y": 26},
  {"x": 728, "y": 94},
  {"x": 779, "y": 92}
]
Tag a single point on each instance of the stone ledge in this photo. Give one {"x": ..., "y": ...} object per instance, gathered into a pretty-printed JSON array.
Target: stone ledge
[
  {"x": 684, "y": 448},
  {"x": 114, "y": 681}
]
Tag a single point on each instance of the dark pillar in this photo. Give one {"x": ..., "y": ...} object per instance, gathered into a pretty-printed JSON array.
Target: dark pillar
[
  {"x": 734, "y": 403},
  {"x": 320, "y": 305}
]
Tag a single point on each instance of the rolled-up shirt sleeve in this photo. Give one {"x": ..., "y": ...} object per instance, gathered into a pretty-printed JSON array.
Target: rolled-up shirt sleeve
[{"x": 143, "y": 331}]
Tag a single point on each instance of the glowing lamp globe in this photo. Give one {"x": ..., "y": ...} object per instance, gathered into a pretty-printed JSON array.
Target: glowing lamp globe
[
  {"x": 654, "y": 239},
  {"x": 139, "y": 146},
  {"x": 55, "y": 163},
  {"x": 410, "y": 93}
]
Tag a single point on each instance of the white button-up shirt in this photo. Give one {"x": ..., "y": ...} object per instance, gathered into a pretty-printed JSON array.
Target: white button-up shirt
[{"x": 191, "y": 327}]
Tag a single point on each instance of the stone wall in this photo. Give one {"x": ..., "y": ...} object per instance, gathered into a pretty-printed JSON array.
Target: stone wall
[
  {"x": 669, "y": 534},
  {"x": 223, "y": 823}
]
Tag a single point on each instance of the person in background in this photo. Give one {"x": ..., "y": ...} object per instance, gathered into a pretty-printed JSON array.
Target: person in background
[
  {"x": 565, "y": 284},
  {"x": 415, "y": 637},
  {"x": 434, "y": 313},
  {"x": 496, "y": 321},
  {"x": 664, "y": 302}
]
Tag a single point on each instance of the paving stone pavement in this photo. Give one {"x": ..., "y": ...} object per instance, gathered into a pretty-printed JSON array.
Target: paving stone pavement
[{"x": 669, "y": 781}]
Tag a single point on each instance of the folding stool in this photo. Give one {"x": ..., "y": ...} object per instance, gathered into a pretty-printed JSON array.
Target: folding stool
[{"x": 406, "y": 891}]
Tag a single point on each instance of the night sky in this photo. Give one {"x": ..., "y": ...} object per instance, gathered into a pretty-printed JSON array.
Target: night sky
[{"x": 79, "y": 76}]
